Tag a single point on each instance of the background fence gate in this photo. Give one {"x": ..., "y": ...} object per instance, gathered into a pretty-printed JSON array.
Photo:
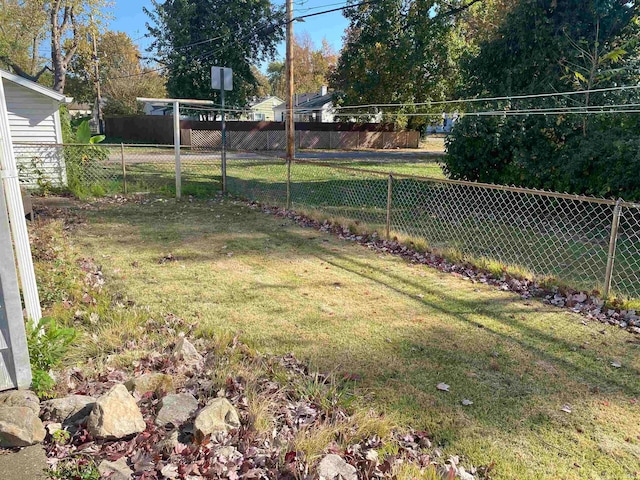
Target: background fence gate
[{"x": 15, "y": 371}]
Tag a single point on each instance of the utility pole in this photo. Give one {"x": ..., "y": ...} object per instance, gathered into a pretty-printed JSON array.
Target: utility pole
[
  {"x": 290, "y": 125},
  {"x": 97, "y": 75}
]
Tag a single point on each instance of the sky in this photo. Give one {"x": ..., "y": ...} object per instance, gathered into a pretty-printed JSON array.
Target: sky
[{"x": 129, "y": 18}]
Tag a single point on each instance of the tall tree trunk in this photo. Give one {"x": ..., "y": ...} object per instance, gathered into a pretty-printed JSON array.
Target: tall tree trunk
[{"x": 60, "y": 59}]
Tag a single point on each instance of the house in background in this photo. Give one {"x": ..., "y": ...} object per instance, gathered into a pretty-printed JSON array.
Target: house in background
[
  {"x": 157, "y": 109},
  {"x": 445, "y": 125},
  {"x": 309, "y": 107},
  {"x": 262, "y": 109},
  {"x": 79, "y": 110},
  {"x": 34, "y": 117}
]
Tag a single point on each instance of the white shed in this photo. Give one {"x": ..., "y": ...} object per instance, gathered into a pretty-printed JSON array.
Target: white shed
[{"x": 34, "y": 118}]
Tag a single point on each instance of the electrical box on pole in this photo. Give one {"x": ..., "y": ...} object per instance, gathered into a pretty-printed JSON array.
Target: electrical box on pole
[{"x": 222, "y": 79}]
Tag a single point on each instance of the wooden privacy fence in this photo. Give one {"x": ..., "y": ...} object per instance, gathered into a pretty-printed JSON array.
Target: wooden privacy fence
[{"x": 276, "y": 140}]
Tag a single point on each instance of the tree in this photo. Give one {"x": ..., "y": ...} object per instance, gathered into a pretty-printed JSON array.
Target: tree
[
  {"x": 193, "y": 35},
  {"x": 122, "y": 76},
  {"x": 64, "y": 22},
  {"x": 22, "y": 29},
  {"x": 480, "y": 23},
  {"x": 263, "y": 87},
  {"x": 400, "y": 51},
  {"x": 277, "y": 78},
  {"x": 551, "y": 46},
  {"x": 312, "y": 67}
]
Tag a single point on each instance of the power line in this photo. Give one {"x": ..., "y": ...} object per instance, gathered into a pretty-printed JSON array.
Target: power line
[
  {"x": 492, "y": 99},
  {"x": 207, "y": 55},
  {"x": 355, "y": 5},
  {"x": 320, "y": 6},
  {"x": 525, "y": 110},
  {"x": 508, "y": 113}
]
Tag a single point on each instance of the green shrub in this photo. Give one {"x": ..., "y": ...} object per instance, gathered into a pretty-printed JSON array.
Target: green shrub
[
  {"x": 549, "y": 152},
  {"x": 84, "y": 162},
  {"x": 48, "y": 343}
]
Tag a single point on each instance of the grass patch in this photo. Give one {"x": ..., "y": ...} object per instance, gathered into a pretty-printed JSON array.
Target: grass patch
[{"x": 397, "y": 328}]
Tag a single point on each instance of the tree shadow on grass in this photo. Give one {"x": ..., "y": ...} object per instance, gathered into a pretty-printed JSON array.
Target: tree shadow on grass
[
  {"x": 535, "y": 371},
  {"x": 528, "y": 338}
]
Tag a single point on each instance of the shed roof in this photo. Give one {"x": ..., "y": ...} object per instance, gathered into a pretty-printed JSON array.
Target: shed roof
[{"x": 36, "y": 87}]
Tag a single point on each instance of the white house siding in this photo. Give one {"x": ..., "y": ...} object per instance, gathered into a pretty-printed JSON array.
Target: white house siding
[{"x": 35, "y": 118}]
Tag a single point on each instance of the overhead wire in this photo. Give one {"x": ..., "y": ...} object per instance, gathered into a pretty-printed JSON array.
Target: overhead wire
[
  {"x": 492, "y": 99},
  {"x": 206, "y": 55},
  {"x": 499, "y": 113}
]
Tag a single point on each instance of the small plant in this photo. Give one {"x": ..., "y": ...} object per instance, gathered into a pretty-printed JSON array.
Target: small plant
[
  {"x": 325, "y": 391},
  {"x": 80, "y": 469},
  {"x": 48, "y": 344},
  {"x": 84, "y": 162},
  {"x": 61, "y": 437}
]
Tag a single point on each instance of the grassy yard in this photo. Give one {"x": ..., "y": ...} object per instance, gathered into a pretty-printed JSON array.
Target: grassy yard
[
  {"x": 401, "y": 329},
  {"x": 564, "y": 240}
]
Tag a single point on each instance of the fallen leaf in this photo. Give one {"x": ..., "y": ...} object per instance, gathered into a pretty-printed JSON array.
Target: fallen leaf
[
  {"x": 466, "y": 402},
  {"x": 170, "y": 471},
  {"x": 443, "y": 387},
  {"x": 616, "y": 364},
  {"x": 566, "y": 408}
]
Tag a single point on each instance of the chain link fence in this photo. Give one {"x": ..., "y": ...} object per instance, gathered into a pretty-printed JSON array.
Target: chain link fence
[
  {"x": 95, "y": 170},
  {"x": 547, "y": 234},
  {"x": 586, "y": 243}
]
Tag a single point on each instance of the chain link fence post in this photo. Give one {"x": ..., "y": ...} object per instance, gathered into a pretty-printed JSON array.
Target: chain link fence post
[
  {"x": 389, "y": 198},
  {"x": 613, "y": 241},
  {"x": 124, "y": 169}
]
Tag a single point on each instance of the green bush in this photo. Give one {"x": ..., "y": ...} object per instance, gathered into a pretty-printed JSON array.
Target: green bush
[
  {"x": 48, "y": 343},
  {"x": 549, "y": 152}
]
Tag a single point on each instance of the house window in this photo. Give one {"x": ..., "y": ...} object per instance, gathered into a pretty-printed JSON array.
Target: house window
[{"x": 258, "y": 117}]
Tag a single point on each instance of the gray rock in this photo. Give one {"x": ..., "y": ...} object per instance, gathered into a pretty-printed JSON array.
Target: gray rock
[
  {"x": 115, "y": 415},
  {"x": 118, "y": 470},
  {"x": 20, "y": 427},
  {"x": 334, "y": 467},
  {"x": 71, "y": 410},
  {"x": 21, "y": 398},
  {"x": 176, "y": 409},
  {"x": 159, "y": 383},
  {"x": 218, "y": 416},
  {"x": 28, "y": 463},
  {"x": 185, "y": 352}
]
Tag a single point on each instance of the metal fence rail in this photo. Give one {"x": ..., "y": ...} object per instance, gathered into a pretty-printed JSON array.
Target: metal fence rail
[{"x": 584, "y": 242}]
